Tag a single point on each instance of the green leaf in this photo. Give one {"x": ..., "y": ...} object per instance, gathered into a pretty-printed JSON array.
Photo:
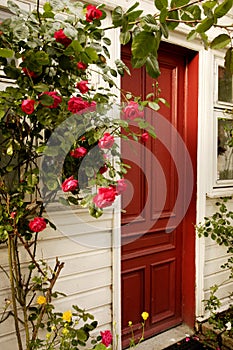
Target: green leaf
[
  {"x": 132, "y": 16},
  {"x": 149, "y": 24},
  {"x": 12, "y": 7},
  {"x": 143, "y": 44},
  {"x": 100, "y": 347},
  {"x": 92, "y": 54},
  {"x": 192, "y": 35},
  {"x": 161, "y": 4},
  {"x": 7, "y": 53},
  {"x": 117, "y": 16},
  {"x": 138, "y": 62},
  {"x": 152, "y": 66},
  {"x": 220, "y": 42},
  {"x": 125, "y": 38},
  {"x": 164, "y": 30},
  {"x": 107, "y": 41},
  {"x": 223, "y": 8},
  {"x": 74, "y": 48},
  {"x": 41, "y": 87},
  {"x": 163, "y": 15},
  {"x": 178, "y": 3},
  {"x": 47, "y": 7},
  {"x": 63, "y": 201},
  {"x": 173, "y": 15},
  {"x": 205, "y": 25},
  {"x": 10, "y": 150},
  {"x": 46, "y": 100},
  {"x": 229, "y": 60},
  {"x": 42, "y": 58},
  {"x": 133, "y": 7}
]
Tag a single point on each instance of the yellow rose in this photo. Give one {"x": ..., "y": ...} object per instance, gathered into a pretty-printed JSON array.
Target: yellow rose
[
  {"x": 41, "y": 300},
  {"x": 145, "y": 315},
  {"x": 67, "y": 316}
]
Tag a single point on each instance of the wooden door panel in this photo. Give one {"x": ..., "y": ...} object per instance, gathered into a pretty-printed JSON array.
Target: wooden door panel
[{"x": 152, "y": 265}]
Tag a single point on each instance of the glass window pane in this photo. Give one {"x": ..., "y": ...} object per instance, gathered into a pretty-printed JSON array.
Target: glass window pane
[
  {"x": 225, "y": 149},
  {"x": 224, "y": 85}
]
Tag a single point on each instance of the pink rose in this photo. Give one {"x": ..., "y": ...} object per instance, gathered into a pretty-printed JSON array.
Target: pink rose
[
  {"x": 131, "y": 111},
  {"x": 105, "y": 197},
  {"x": 145, "y": 136},
  {"x": 81, "y": 65},
  {"x": 78, "y": 152},
  {"x": 37, "y": 224},
  {"x": 106, "y": 337},
  {"x": 27, "y": 106},
  {"x": 106, "y": 141},
  {"x": 69, "y": 184},
  {"x": 76, "y": 104},
  {"x": 29, "y": 73},
  {"x": 82, "y": 86},
  {"x": 56, "y": 99},
  {"x": 62, "y": 38},
  {"x": 121, "y": 186},
  {"x": 93, "y": 13}
]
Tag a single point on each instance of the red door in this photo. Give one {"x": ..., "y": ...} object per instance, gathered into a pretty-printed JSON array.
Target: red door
[{"x": 158, "y": 239}]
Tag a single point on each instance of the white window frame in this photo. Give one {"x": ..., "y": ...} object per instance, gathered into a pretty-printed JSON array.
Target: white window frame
[{"x": 218, "y": 187}]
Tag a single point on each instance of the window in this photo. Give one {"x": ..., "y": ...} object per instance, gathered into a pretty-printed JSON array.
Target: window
[{"x": 223, "y": 130}]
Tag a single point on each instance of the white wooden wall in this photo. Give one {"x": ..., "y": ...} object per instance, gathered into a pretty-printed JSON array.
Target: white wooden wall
[{"x": 87, "y": 276}]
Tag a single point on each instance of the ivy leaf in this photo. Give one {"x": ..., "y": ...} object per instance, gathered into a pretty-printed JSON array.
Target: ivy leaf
[
  {"x": 7, "y": 53},
  {"x": 152, "y": 66},
  {"x": 223, "y": 8},
  {"x": 205, "y": 25},
  {"x": 143, "y": 44},
  {"x": 229, "y": 60},
  {"x": 220, "y": 42}
]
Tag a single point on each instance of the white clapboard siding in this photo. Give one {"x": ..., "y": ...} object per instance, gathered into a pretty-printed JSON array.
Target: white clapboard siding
[{"x": 215, "y": 256}]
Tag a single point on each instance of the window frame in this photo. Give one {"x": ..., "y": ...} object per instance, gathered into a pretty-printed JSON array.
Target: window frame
[{"x": 218, "y": 187}]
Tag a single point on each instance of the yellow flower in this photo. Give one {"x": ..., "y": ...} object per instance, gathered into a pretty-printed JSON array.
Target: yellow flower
[
  {"x": 67, "y": 315},
  {"x": 48, "y": 335},
  {"x": 145, "y": 315},
  {"x": 130, "y": 323},
  {"x": 41, "y": 300}
]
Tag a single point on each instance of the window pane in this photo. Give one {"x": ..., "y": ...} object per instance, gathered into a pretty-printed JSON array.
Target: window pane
[
  {"x": 224, "y": 85},
  {"x": 225, "y": 149}
]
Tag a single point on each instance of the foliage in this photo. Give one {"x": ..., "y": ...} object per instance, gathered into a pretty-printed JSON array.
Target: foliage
[{"x": 220, "y": 229}]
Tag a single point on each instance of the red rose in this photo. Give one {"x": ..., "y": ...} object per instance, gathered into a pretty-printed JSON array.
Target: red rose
[
  {"x": 81, "y": 65},
  {"x": 106, "y": 337},
  {"x": 37, "y": 224},
  {"x": 145, "y": 136},
  {"x": 76, "y": 104},
  {"x": 56, "y": 99},
  {"x": 93, "y": 13},
  {"x": 82, "y": 86},
  {"x": 131, "y": 111},
  {"x": 69, "y": 184},
  {"x": 78, "y": 152},
  {"x": 106, "y": 141},
  {"x": 103, "y": 169},
  {"x": 105, "y": 197},
  {"x": 121, "y": 186},
  {"x": 27, "y": 106},
  {"x": 29, "y": 73},
  {"x": 62, "y": 38}
]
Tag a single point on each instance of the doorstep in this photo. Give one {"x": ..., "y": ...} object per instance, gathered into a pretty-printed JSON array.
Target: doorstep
[{"x": 165, "y": 339}]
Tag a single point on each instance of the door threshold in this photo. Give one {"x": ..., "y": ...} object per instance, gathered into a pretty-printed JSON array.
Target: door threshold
[{"x": 167, "y": 338}]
